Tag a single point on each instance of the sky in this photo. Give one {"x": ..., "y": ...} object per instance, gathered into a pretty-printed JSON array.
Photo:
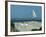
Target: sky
[{"x": 23, "y": 11}]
